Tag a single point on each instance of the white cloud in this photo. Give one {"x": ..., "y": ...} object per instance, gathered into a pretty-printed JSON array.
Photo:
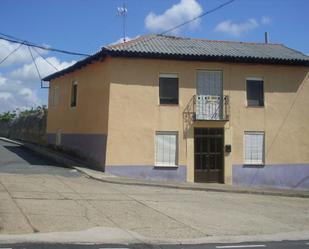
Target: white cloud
[
  {"x": 14, "y": 94},
  {"x": 2, "y": 80},
  {"x": 29, "y": 97},
  {"x": 265, "y": 20},
  {"x": 28, "y": 71},
  {"x": 177, "y": 14},
  {"x": 236, "y": 29},
  {"x": 21, "y": 55},
  {"x": 20, "y": 85},
  {"x": 239, "y": 29},
  {"x": 5, "y": 95},
  {"x": 11, "y": 102}
]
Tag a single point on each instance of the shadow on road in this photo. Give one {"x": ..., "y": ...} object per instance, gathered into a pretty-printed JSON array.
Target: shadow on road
[
  {"x": 31, "y": 157},
  {"x": 26, "y": 162}
]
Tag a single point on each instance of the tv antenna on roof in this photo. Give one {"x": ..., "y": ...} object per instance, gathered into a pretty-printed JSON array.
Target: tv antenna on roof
[{"x": 122, "y": 11}]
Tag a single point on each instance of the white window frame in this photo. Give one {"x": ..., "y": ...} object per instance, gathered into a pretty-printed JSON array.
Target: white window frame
[
  {"x": 169, "y": 75},
  {"x": 255, "y": 79},
  {"x": 251, "y": 161},
  {"x": 166, "y": 164},
  {"x": 172, "y": 76}
]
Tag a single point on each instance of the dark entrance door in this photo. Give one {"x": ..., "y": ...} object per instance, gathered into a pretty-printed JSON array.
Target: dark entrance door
[{"x": 208, "y": 154}]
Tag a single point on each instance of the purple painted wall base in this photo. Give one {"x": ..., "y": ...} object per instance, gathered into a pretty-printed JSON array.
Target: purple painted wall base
[
  {"x": 289, "y": 176},
  {"x": 150, "y": 172},
  {"x": 92, "y": 146}
]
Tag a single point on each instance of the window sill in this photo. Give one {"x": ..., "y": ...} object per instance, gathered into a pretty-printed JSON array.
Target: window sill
[
  {"x": 255, "y": 106},
  {"x": 254, "y": 165},
  {"x": 166, "y": 166},
  {"x": 172, "y": 105}
]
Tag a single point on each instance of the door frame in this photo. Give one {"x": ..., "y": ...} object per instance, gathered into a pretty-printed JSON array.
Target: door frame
[{"x": 221, "y": 177}]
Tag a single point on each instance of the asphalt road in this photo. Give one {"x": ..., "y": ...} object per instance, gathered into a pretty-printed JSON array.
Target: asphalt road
[
  {"x": 43, "y": 201},
  {"x": 15, "y": 159}
]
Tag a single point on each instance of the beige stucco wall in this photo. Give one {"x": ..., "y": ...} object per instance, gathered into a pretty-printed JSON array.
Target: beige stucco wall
[
  {"x": 285, "y": 117},
  {"x": 91, "y": 113},
  {"x": 135, "y": 114},
  {"x": 120, "y": 97}
]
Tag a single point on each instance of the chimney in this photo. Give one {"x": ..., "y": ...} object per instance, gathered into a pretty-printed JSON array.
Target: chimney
[{"x": 266, "y": 37}]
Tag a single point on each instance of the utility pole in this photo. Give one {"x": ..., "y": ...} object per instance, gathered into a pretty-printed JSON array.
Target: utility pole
[{"x": 122, "y": 11}]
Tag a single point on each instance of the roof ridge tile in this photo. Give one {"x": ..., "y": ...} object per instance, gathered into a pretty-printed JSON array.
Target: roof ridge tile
[
  {"x": 120, "y": 44},
  {"x": 223, "y": 41}
]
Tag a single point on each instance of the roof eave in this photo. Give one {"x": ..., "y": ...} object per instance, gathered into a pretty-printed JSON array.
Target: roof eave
[
  {"x": 212, "y": 58},
  {"x": 82, "y": 63}
]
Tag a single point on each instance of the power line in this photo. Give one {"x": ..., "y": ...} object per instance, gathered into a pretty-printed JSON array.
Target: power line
[
  {"x": 186, "y": 22},
  {"x": 53, "y": 66},
  {"x": 32, "y": 57},
  {"x": 13, "y": 39},
  {"x": 29, "y": 48},
  {"x": 34, "y": 46},
  {"x": 10, "y": 36},
  {"x": 197, "y": 17},
  {"x": 36, "y": 66},
  {"x": 30, "y": 44},
  {"x": 37, "y": 69}
]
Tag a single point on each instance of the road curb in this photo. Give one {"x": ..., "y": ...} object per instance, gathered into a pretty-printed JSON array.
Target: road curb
[
  {"x": 103, "y": 177},
  {"x": 192, "y": 188}
]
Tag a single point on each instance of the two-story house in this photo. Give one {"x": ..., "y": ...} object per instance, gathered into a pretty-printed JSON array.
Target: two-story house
[{"x": 172, "y": 108}]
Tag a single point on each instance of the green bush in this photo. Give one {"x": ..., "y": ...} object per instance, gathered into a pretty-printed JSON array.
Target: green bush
[
  {"x": 7, "y": 116},
  {"x": 10, "y": 115},
  {"x": 27, "y": 112}
]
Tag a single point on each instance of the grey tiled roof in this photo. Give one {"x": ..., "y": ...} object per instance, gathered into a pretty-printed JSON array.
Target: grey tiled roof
[{"x": 179, "y": 48}]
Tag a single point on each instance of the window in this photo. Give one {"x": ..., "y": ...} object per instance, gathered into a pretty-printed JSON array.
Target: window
[
  {"x": 168, "y": 89},
  {"x": 255, "y": 92},
  {"x": 254, "y": 148},
  {"x": 166, "y": 148},
  {"x": 74, "y": 94},
  {"x": 55, "y": 96}
]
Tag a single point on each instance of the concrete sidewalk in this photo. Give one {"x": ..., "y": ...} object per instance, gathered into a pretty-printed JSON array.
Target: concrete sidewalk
[
  {"x": 43, "y": 201},
  {"x": 104, "y": 177}
]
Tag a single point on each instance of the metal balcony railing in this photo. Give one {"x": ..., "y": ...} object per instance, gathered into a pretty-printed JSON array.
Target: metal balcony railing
[{"x": 209, "y": 107}]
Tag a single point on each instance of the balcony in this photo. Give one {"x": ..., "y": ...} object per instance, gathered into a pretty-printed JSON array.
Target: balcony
[
  {"x": 205, "y": 108},
  {"x": 208, "y": 107}
]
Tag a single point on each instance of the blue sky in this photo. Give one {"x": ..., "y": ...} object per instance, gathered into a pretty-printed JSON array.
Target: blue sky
[{"x": 85, "y": 26}]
